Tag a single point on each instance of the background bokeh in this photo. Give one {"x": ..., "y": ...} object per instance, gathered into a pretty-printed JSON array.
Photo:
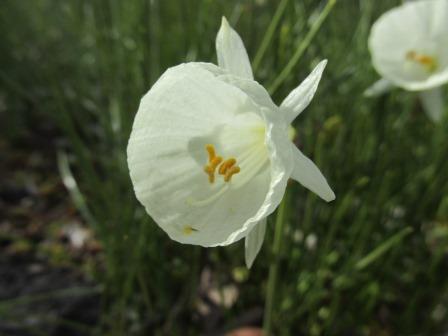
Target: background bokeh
[{"x": 79, "y": 255}]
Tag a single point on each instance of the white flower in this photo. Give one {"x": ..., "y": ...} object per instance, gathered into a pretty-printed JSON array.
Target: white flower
[
  {"x": 409, "y": 48},
  {"x": 209, "y": 153}
]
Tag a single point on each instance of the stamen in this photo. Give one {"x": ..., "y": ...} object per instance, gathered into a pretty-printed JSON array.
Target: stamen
[
  {"x": 215, "y": 161},
  {"x": 188, "y": 230},
  {"x": 227, "y": 168},
  {"x": 210, "y": 173},
  {"x": 211, "y": 152},
  {"x": 226, "y": 165},
  {"x": 250, "y": 159},
  {"x": 211, "y": 167},
  {"x": 204, "y": 202},
  {"x": 427, "y": 61},
  {"x": 232, "y": 171}
]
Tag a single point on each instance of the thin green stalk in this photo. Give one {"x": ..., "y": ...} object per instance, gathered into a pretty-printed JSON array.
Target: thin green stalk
[
  {"x": 382, "y": 248},
  {"x": 273, "y": 268},
  {"x": 156, "y": 36},
  {"x": 269, "y": 33},
  {"x": 302, "y": 47}
]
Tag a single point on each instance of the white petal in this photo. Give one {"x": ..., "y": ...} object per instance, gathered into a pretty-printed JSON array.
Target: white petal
[
  {"x": 187, "y": 108},
  {"x": 232, "y": 54},
  {"x": 253, "y": 242},
  {"x": 301, "y": 96},
  {"x": 255, "y": 91},
  {"x": 307, "y": 174},
  {"x": 417, "y": 26},
  {"x": 379, "y": 87},
  {"x": 432, "y": 102}
]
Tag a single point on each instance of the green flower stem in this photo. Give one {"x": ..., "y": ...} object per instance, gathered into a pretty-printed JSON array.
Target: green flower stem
[
  {"x": 269, "y": 33},
  {"x": 273, "y": 268},
  {"x": 302, "y": 47}
]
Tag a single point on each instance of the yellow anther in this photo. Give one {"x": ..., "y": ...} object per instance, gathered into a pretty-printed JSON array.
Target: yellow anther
[
  {"x": 230, "y": 172},
  {"x": 210, "y": 168},
  {"x": 229, "y": 163},
  {"x": 211, "y": 152},
  {"x": 427, "y": 61},
  {"x": 215, "y": 162},
  {"x": 188, "y": 230},
  {"x": 226, "y": 168}
]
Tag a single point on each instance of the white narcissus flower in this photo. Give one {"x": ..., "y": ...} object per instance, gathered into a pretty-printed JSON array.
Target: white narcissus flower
[
  {"x": 209, "y": 153},
  {"x": 409, "y": 48}
]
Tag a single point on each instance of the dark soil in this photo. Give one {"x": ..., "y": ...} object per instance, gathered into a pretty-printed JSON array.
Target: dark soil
[
  {"x": 42, "y": 288},
  {"x": 40, "y": 299}
]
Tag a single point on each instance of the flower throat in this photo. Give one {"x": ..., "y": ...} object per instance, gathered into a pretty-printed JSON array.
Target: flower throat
[{"x": 428, "y": 62}]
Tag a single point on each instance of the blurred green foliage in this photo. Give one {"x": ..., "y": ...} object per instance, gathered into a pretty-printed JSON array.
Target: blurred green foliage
[{"x": 371, "y": 263}]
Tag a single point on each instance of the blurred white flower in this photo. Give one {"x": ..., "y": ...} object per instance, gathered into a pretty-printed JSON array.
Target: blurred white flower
[
  {"x": 297, "y": 237},
  {"x": 409, "y": 48},
  {"x": 311, "y": 242},
  {"x": 209, "y": 153}
]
